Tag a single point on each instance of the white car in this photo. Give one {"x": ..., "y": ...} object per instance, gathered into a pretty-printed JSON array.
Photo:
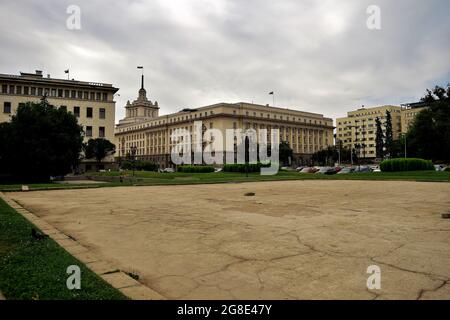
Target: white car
[
  {"x": 439, "y": 167},
  {"x": 168, "y": 170}
]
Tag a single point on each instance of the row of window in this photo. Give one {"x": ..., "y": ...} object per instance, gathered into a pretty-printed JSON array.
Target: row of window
[
  {"x": 89, "y": 131},
  {"x": 76, "y": 111},
  {"x": 141, "y": 151},
  {"x": 247, "y": 113},
  {"x": 89, "y": 112},
  {"x": 201, "y": 114},
  {"x": 53, "y": 92}
]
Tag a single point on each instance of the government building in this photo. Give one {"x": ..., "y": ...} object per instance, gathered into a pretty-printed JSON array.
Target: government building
[
  {"x": 91, "y": 102},
  {"x": 358, "y": 130},
  {"x": 146, "y": 134}
]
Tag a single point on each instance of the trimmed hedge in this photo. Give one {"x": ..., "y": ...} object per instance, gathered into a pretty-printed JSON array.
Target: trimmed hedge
[
  {"x": 195, "y": 169},
  {"x": 252, "y": 167},
  {"x": 139, "y": 165},
  {"x": 406, "y": 164}
]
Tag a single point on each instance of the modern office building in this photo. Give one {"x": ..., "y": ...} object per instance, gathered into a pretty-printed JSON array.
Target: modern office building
[
  {"x": 91, "y": 102},
  {"x": 358, "y": 130},
  {"x": 148, "y": 133},
  {"x": 409, "y": 113}
]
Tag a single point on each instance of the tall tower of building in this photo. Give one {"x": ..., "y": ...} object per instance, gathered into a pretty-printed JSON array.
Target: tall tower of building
[{"x": 140, "y": 109}]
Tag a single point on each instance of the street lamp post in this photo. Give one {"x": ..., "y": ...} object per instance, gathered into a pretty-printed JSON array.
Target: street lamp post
[
  {"x": 405, "y": 145},
  {"x": 351, "y": 143},
  {"x": 133, "y": 150}
]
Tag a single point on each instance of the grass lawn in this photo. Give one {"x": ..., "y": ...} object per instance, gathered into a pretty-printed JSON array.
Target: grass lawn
[
  {"x": 155, "y": 178},
  {"x": 149, "y": 178},
  {"x": 31, "y": 269}
]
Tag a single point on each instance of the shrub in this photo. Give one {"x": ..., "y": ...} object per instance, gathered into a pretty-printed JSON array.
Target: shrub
[
  {"x": 406, "y": 164},
  {"x": 238, "y": 167},
  {"x": 195, "y": 169},
  {"x": 139, "y": 165}
]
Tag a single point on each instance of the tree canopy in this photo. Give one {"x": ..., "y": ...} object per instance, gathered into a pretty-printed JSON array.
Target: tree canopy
[
  {"x": 98, "y": 149},
  {"x": 429, "y": 135},
  {"x": 40, "y": 142}
]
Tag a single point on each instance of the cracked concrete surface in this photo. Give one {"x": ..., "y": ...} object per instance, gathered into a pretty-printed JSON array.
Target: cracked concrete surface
[{"x": 293, "y": 240}]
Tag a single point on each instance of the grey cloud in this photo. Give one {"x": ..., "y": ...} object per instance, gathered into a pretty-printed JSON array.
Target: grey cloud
[{"x": 316, "y": 55}]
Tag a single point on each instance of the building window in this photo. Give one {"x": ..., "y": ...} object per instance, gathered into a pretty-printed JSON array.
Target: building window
[
  {"x": 11, "y": 89},
  {"x": 40, "y": 91},
  {"x": 60, "y": 93},
  {"x": 53, "y": 92},
  {"x": 7, "y": 107},
  {"x": 98, "y": 95},
  {"x": 88, "y": 131},
  {"x": 26, "y": 90},
  {"x": 4, "y": 88},
  {"x": 102, "y": 113},
  {"x": 88, "y": 112},
  {"x": 92, "y": 96},
  {"x": 63, "y": 108},
  {"x": 66, "y": 93},
  {"x": 73, "y": 94},
  {"x": 76, "y": 111},
  {"x": 33, "y": 91},
  {"x": 80, "y": 94},
  {"x": 105, "y": 96},
  {"x": 101, "y": 132},
  {"x": 85, "y": 95},
  {"x": 19, "y": 90}
]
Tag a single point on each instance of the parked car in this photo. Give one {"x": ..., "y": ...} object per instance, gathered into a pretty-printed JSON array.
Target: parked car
[
  {"x": 308, "y": 170},
  {"x": 298, "y": 169},
  {"x": 218, "y": 170},
  {"x": 168, "y": 170},
  {"x": 347, "y": 170},
  {"x": 362, "y": 169},
  {"x": 338, "y": 169},
  {"x": 326, "y": 170},
  {"x": 439, "y": 167}
]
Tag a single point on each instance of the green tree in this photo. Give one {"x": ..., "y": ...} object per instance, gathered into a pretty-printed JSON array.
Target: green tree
[
  {"x": 41, "y": 142},
  {"x": 285, "y": 152},
  {"x": 389, "y": 138},
  {"x": 98, "y": 149},
  {"x": 379, "y": 139},
  {"x": 429, "y": 135}
]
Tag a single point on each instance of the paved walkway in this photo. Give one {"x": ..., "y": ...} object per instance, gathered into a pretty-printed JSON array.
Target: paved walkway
[{"x": 292, "y": 240}]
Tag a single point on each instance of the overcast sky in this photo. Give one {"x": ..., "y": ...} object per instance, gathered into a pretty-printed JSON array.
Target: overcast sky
[{"x": 317, "y": 55}]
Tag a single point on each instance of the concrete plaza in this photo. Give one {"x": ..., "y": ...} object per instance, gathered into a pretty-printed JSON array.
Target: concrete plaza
[{"x": 292, "y": 240}]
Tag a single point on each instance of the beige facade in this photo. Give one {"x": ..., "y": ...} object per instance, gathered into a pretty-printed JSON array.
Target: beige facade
[
  {"x": 408, "y": 116},
  {"x": 305, "y": 132},
  {"x": 92, "y": 103},
  {"x": 358, "y": 129}
]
